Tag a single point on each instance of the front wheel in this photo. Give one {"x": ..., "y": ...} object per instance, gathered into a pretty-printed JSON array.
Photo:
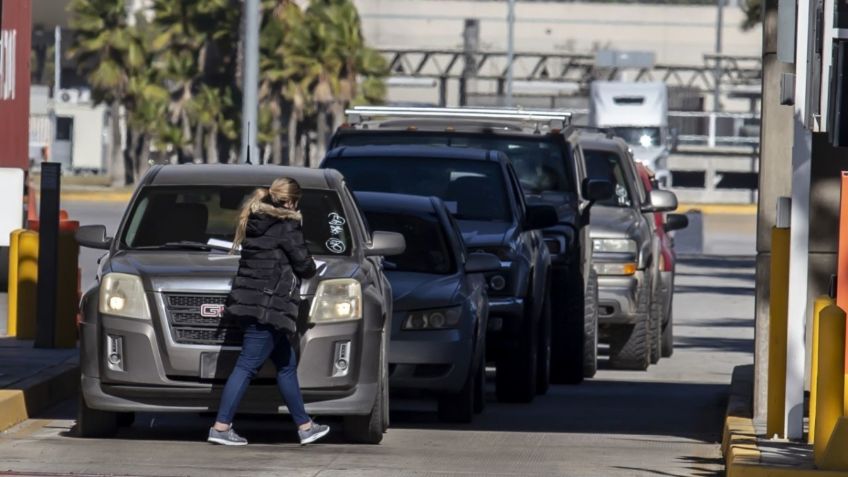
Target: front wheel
[
  {"x": 515, "y": 380},
  {"x": 459, "y": 407},
  {"x": 590, "y": 335},
  {"x": 368, "y": 429},
  {"x": 95, "y": 423},
  {"x": 543, "y": 360}
]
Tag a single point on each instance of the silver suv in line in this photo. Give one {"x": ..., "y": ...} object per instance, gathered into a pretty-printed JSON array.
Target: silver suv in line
[
  {"x": 154, "y": 336},
  {"x": 625, "y": 251}
]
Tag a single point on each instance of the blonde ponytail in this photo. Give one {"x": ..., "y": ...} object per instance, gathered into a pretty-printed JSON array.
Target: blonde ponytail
[{"x": 259, "y": 195}]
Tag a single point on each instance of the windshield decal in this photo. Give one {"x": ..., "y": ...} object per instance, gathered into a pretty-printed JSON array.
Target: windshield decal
[{"x": 334, "y": 244}]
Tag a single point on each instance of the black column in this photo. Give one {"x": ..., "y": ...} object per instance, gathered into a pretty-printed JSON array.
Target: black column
[{"x": 48, "y": 255}]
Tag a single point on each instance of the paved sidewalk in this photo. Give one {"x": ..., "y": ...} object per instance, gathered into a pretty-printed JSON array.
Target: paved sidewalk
[{"x": 32, "y": 379}]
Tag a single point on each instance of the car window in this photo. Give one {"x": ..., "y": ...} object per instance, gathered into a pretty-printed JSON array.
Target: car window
[
  {"x": 540, "y": 162},
  {"x": 474, "y": 188},
  {"x": 427, "y": 246},
  {"x": 198, "y": 214},
  {"x": 609, "y": 166}
]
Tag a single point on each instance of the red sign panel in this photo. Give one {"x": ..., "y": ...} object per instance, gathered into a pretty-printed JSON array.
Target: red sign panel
[{"x": 15, "y": 40}]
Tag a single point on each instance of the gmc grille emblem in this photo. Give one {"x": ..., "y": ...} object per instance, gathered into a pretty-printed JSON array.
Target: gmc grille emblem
[{"x": 211, "y": 310}]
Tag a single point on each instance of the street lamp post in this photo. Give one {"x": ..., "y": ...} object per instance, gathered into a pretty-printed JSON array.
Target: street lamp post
[
  {"x": 510, "y": 49},
  {"x": 250, "y": 102},
  {"x": 718, "y": 64}
]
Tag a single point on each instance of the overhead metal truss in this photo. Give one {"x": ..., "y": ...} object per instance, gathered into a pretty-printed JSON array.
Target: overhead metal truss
[{"x": 731, "y": 71}]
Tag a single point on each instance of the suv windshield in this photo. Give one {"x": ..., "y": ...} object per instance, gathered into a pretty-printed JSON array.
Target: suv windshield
[
  {"x": 427, "y": 248},
  {"x": 639, "y": 136},
  {"x": 538, "y": 161},
  {"x": 196, "y": 215},
  {"x": 607, "y": 165},
  {"x": 474, "y": 188}
]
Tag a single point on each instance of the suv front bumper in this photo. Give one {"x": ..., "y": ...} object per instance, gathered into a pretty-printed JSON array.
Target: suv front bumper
[{"x": 618, "y": 297}]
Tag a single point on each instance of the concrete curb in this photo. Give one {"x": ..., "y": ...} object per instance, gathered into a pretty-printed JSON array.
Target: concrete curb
[
  {"x": 34, "y": 395},
  {"x": 741, "y": 446}
]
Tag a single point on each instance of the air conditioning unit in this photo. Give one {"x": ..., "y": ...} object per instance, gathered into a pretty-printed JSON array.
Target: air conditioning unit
[{"x": 68, "y": 96}]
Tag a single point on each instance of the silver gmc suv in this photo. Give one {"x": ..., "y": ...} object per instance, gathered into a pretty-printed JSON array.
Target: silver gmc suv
[{"x": 154, "y": 336}]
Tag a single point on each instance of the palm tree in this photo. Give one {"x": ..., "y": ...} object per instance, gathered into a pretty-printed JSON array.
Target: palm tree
[{"x": 106, "y": 51}]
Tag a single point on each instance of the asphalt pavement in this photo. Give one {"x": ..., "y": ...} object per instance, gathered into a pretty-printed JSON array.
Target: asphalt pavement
[{"x": 663, "y": 422}]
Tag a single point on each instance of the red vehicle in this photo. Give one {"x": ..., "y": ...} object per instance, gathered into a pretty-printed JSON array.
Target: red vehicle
[{"x": 663, "y": 224}]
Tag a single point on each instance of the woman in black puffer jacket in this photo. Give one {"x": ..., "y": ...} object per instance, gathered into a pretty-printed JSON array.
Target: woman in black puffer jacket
[{"x": 265, "y": 297}]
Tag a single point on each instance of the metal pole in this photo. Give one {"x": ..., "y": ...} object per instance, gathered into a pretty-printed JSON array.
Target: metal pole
[
  {"x": 510, "y": 49},
  {"x": 57, "y": 85},
  {"x": 718, "y": 65},
  {"x": 250, "y": 87}
]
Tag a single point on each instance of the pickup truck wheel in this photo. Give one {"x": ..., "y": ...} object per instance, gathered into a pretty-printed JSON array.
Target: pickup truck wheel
[
  {"x": 480, "y": 388},
  {"x": 94, "y": 423},
  {"x": 668, "y": 337},
  {"x": 568, "y": 329},
  {"x": 515, "y": 380},
  {"x": 656, "y": 327},
  {"x": 590, "y": 334},
  {"x": 630, "y": 347},
  {"x": 543, "y": 361},
  {"x": 459, "y": 407}
]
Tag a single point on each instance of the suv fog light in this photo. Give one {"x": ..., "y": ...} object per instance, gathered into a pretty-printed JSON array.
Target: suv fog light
[
  {"x": 497, "y": 282},
  {"x": 115, "y": 352},
  {"x": 341, "y": 358}
]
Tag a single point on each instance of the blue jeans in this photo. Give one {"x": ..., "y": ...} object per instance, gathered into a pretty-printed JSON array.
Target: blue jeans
[{"x": 260, "y": 343}]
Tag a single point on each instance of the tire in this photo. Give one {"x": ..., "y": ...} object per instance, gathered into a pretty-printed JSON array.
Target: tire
[
  {"x": 94, "y": 423},
  {"x": 590, "y": 333},
  {"x": 126, "y": 419},
  {"x": 459, "y": 407},
  {"x": 480, "y": 387},
  {"x": 543, "y": 360},
  {"x": 655, "y": 330},
  {"x": 630, "y": 346},
  {"x": 515, "y": 380},
  {"x": 369, "y": 429},
  {"x": 668, "y": 337},
  {"x": 568, "y": 329}
]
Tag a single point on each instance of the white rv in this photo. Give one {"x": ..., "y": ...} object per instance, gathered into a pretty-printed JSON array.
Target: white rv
[{"x": 638, "y": 113}]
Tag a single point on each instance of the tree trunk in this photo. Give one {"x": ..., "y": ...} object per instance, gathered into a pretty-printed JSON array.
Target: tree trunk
[
  {"x": 294, "y": 159},
  {"x": 212, "y": 144},
  {"x": 186, "y": 148},
  {"x": 322, "y": 131},
  {"x": 197, "y": 148},
  {"x": 277, "y": 143},
  {"x": 116, "y": 158},
  {"x": 144, "y": 155}
]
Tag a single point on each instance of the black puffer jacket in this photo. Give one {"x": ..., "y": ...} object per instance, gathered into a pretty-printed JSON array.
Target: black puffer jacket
[{"x": 273, "y": 259}]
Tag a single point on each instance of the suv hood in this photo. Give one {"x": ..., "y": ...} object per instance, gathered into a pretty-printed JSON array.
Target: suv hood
[
  {"x": 478, "y": 233},
  {"x": 612, "y": 222},
  {"x": 204, "y": 272},
  {"x": 418, "y": 291}
]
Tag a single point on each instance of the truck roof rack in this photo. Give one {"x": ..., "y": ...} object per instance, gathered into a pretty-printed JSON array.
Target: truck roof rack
[{"x": 553, "y": 119}]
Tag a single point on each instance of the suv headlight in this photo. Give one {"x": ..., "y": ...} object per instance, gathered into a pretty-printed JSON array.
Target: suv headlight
[
  {"x": 336, "y": 300},
  {"x": 123, "y": 295},
  {"x": 614, "y": 245},
  {"x": 439, "y": 319}
]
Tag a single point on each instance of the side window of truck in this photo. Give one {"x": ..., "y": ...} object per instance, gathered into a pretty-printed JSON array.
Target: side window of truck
[{"x": 517, "y": 191}]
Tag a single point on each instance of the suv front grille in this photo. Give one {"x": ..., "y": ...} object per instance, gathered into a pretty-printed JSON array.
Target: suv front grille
[{"x": 190, "y": 326}]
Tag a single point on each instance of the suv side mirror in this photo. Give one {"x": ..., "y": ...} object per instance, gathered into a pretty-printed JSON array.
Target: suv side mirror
[
  {"x": 480, "y": 262},
  {"x": 93, "y": 236},
  {"x": 661, "y": 201},
  {"x": 597, "y": 189},
  {"x": 675, "y": 222},
  {"x": 540, "y": 217},
  {"x": 385, "y": 244}
]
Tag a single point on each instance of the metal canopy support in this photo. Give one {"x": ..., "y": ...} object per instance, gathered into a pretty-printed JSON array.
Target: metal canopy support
[{"x": 250, "y": 104}]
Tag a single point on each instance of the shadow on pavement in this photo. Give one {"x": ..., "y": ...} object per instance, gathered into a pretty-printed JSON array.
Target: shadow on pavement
[
  {"x": 683, "y": 410},
  {"x": 720, "y": 290},
  {"x": 715, "y": 344},
  {"x": 701, "y": 467}
]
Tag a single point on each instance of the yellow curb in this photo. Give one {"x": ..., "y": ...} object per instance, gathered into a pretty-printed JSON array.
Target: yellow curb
[
  {"x": 96, "y": 196},
  {"x": 12, "y": 408},
  {"x": 719, "y": 209}
]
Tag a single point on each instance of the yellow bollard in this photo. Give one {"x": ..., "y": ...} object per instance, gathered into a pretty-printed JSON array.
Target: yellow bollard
[
  {"x": 778, "y": 304},
  {"x": 820, "y": 303},
  {"x": 27, "y": 284},
  {"x": 12, "y": 302},
  {"x": 830, "y": 387}
]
